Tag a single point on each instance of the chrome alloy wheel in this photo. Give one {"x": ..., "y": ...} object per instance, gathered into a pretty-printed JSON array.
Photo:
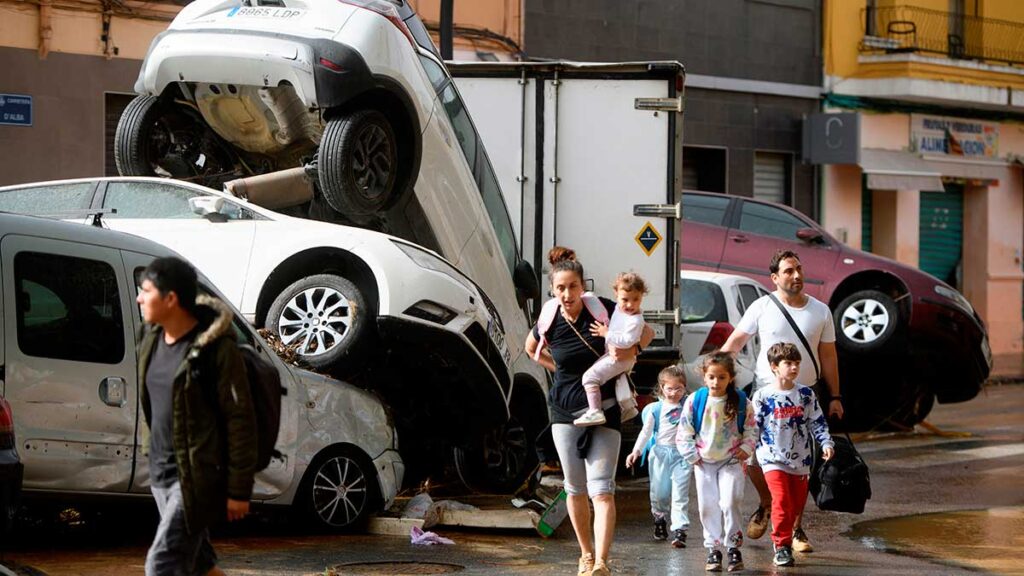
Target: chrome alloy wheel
[
  {"x": 340, "y": 491},
  {"x": 316, "y": 319},
  {"x": 865, "y": 320}
]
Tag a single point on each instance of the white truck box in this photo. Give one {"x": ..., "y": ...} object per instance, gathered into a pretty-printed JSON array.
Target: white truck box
[{"x": 589, "y": 156}]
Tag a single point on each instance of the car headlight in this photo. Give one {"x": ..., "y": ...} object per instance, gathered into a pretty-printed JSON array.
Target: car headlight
[
  {"x": 956, "y": 297},
  {"x": 426, "y": 260}
]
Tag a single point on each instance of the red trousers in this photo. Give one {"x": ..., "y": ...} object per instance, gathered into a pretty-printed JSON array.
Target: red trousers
[{"x": 789, "y": 494}]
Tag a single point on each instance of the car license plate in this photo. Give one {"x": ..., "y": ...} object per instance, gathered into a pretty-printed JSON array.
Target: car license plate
[
  {"x": 265, "y": 12},
  {"x": 498, "y": 338}
]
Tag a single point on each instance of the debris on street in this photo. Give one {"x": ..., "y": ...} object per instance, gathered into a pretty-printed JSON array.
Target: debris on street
[{"x": 421, "y": 538}]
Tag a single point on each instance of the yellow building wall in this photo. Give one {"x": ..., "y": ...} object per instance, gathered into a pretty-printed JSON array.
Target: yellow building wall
[
  {"x": 503, "y": 17},
  {"x": 1012, "y": 10},
  {"x": 80, "y": 31},
  {"x": 844, "y": 30}
]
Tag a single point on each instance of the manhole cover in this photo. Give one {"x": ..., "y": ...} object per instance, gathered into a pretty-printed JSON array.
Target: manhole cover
[{"x": 393, "y": 568}]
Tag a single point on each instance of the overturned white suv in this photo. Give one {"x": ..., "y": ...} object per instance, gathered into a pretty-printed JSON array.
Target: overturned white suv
[{"x": 241, "y": 87}]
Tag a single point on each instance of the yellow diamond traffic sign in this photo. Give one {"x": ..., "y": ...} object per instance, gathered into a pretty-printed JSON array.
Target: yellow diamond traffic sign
[{"x": 649, "y": 238}]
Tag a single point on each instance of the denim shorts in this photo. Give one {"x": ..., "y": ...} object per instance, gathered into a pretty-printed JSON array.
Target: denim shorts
[{"x": 595, "y": 474}]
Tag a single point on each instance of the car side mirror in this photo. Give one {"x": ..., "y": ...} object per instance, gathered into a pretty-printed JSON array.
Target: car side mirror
[
  {"x": 810, "y": 235},
  {"x": 525, "y": 279},
  {"x": 210, "y": 207}
]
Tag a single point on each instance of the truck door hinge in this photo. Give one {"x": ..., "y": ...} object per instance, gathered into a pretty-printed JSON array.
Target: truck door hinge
[
  {"x": 662, "y": 316},
  {"x": 659, "y": 104},
  {"x": 658, "y": 210}
]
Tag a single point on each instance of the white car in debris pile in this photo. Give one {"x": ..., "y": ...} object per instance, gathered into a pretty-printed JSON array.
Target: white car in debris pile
[
  {"x": 384, "y": 312},
  {"x": 67, "y": 346},
  {"x": 353, "y": 93},
  {"x": 710, "y": 308}
]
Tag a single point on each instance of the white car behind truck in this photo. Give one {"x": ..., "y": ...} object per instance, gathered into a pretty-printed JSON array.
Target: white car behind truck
[{"x": 590, "y": 156}]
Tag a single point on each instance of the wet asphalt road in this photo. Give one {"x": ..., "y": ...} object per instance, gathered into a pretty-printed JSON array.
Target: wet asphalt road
[{"x": 973, "y": 469}]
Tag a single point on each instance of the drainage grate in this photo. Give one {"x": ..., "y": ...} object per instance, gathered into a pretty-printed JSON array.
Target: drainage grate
[{"x": 393, "y": 568}]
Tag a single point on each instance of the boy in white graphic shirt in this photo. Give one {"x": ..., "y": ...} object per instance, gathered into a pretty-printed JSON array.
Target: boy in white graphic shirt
[{"x": 787, "y": 415}]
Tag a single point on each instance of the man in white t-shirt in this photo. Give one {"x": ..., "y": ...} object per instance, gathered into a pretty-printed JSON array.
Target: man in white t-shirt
[{"x": 765, "y": 319}]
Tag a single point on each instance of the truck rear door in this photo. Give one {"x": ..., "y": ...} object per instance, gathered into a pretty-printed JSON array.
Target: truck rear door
[{"x": 576, "y": 148}]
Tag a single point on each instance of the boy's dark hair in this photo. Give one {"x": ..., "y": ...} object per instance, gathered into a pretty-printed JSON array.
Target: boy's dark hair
[
  {"x": 172, "y": 274},
  {"x": 728, "y": 361},
  {"x": 778, "y": 257},
  {"x": 783, "y": 351},
  {"x": 673, "y": 372}
]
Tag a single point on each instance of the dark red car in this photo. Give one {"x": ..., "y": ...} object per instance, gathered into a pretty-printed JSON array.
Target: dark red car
[{"x": 905, "y": 338}]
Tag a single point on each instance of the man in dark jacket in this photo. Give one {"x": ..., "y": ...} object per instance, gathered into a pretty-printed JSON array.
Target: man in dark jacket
[{"x": 201, "y": 427}]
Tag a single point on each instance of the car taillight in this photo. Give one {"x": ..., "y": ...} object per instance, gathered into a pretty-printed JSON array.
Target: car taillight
[
  {"x": 385, "y": 9},
  {"x": 716, "y": 337},
  {"x": 6, "y": 425}
]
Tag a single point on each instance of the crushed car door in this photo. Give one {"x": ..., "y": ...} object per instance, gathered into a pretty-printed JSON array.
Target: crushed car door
[
  {"x": 218, "y": 246},
  {"x": 70, "y": 364}
]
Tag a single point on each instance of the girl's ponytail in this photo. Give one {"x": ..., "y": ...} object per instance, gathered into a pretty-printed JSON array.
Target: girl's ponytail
[{"x": 732, "y": 402}]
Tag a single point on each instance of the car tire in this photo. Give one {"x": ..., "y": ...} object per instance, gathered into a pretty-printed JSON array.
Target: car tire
[
  {"x": 915, "y": 409},
  {"x": 339, "y": 491},
  {"x": 866, "y": 322},
  {"x": 358, "y": 164},
  {"x": 301, "y": 311},
  {"x": 135, "y": 151},
  {"x": 503, "y": 459}
]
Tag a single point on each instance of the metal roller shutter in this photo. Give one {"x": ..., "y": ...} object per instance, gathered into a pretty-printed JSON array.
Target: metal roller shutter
[
  {"x": 941, "y": 233},
  {"x": 770, "y": 178}
]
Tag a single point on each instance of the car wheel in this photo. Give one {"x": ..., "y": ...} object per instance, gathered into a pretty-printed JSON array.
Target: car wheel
[
  {"x": 358, "y": 164},
  {"x": 155, "y": 139},
  {"x": 916, "y": 409},
  {"x": 501, "y": 460},
  {"x": 326, "y": 318},
  {"x": 339, "y": 490},
  {"x": 866, "y": 321}
]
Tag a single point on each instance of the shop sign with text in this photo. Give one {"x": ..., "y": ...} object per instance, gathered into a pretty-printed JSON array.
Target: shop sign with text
[{"x": 954, "y": 136}]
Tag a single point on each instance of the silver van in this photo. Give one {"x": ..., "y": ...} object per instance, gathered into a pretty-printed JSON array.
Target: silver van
[{"x": 68, "y": 325}]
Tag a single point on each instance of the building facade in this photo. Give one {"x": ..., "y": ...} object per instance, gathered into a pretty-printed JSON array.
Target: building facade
[
  {"x": 753, "y": 69},
  {"x": 934, "y": 180}
]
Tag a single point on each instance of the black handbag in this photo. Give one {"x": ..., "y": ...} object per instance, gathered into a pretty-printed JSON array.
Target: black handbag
[{"x": 842, "y": 484}]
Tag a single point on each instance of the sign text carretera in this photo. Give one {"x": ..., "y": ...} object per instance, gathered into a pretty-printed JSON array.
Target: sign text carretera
[
  {"x": 15, "y": 109},
  {"x": 954, "y": 136}
]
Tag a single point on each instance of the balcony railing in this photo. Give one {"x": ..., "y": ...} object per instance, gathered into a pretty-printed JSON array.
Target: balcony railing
[{"x": 894, "y": 29}]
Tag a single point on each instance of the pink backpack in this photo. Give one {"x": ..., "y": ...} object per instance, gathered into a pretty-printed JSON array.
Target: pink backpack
[{"x": 547, "y": 317}]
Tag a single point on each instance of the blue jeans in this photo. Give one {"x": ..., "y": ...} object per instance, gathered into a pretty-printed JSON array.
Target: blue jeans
[{"x": 670, "y": 485}]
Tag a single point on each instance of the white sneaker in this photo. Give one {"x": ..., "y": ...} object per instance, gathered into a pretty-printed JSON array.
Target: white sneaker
[{"x": 590, "y": 418}]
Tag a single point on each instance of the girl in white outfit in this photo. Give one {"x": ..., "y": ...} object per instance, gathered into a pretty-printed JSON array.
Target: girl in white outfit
[
  {"x": 623, "y": 331},
  {"x": 718, "y": 434},
  {"x": 668, "y": 470}
]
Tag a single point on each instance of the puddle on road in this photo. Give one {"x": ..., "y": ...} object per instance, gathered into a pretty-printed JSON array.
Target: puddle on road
[{"x": 991, "y": 540}]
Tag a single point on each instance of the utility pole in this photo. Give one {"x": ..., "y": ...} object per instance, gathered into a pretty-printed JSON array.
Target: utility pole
[{"x": 447, "y": 28}]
